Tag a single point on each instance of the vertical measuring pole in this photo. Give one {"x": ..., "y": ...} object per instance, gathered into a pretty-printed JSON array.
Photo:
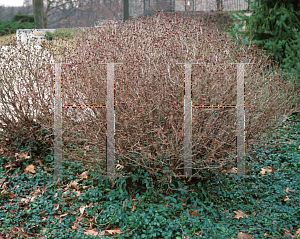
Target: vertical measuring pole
[
  {"x": 188, "y": 105},
  {"x": 57, "y": 123},
  {"x": 240, "y": 108},
  {"x": 110, "y": 117},
  {"x": 188, "y": 160},
  {"x": 110, "y": 120},
  {"x": 57, "y": 120}
]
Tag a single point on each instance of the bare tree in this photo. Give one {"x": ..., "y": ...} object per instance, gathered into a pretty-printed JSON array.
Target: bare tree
[
  {"x": 59, "y": 6},
  {"x": 6, "y": 13},
  {"x": 38, "y": 11},
  {"x": 93, "y": 10},
  {"x": 186, "y": 5},
  {"x": 126, "y": 10},
  {"x": 219, "y": 5},
  {"x": 52, "y": 7}
]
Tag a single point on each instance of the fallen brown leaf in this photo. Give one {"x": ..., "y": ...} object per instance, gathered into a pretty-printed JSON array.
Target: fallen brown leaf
[
  {"x": 29, "y": 169},
  {"x": 242, "y": 235},
  {"x": 114, "y": 231},
  {"x": 240, "y": 214},
  {"x": 194, "y": 214},
  {"x": 92, "y": 232}
]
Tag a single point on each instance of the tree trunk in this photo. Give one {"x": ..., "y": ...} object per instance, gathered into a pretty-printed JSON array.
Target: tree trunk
[
  {"x": 45, "y": 20},
  {"x": 126, "y": 10},
  {"x": 219, "y": 5},
  {"x": 38, "y": 13}
]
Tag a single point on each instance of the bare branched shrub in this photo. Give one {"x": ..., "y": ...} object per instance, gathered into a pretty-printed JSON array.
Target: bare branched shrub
[
  {"x": 27, "y": 94},
  {"x": 149, "y": 90}
]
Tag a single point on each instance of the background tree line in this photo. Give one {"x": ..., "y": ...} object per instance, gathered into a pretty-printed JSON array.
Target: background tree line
[
  {"x": 83, "y": 13},
  {"x": 65, "y": 13}
]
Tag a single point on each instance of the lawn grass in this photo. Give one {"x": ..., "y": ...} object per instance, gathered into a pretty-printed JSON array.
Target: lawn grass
[{"x": 6, "y": 40}]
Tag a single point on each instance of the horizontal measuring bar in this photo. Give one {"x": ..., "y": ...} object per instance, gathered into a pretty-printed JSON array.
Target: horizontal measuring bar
[
  {"x": 186, "y": 176},
  {"x": 176, "y": 63},
  {"x": 194, "y": 106},
  {"x": 96, "y": 106},
  {"x": 213, "y": 106},
  {"x": 187, "y": 112},
  {"x": 73, "y": 63},
  {"x": 215, "y": 63}
]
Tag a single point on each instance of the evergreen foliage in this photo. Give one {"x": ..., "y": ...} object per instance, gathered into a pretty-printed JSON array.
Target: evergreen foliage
[
  {"x": 274, "y": 26},
  {"x": 22, "y": 18},
  {"x": 18, "y": 21},
  {"x": 49, "y": 36}
]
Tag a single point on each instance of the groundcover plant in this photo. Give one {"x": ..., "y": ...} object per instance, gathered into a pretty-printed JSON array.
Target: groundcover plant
[{"x": 263, "y": 205}]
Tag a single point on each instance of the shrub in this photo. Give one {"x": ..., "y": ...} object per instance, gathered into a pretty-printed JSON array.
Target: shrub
[
  {"x": 36, "y": 204},
  {"x": 22, "y": 18},
  {"x": 63, "y": 34},
  {"x": 48, "y": 35},
  {"x": 26, "y": 99},
  {"x": 150, "y": 90},
  {"x": 19, "y": 97},
  {"x": 18, "y": 21},
  {"x": 273, "y": 27}
]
